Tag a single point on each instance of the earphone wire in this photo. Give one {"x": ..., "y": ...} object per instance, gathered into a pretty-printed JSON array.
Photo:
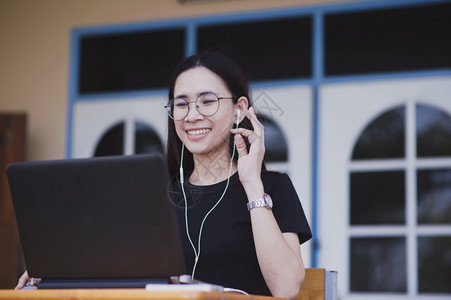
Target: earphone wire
[{"x": 182, "y": 180}]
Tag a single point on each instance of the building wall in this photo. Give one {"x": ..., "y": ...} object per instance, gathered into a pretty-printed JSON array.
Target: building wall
[{"x": 35, "y": 52}]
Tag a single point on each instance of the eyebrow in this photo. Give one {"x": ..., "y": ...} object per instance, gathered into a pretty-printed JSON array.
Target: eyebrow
[{"x": 198, "y": 95}]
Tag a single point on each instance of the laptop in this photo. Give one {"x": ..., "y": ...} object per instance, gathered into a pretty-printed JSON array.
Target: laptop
[{"x": 97, "y": 222}]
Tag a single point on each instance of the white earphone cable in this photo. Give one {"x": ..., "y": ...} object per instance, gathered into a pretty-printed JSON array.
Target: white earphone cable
[{"x": 197, "y": 251}]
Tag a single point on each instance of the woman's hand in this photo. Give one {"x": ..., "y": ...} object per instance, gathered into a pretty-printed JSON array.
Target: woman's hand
[
  {"x": 24, "y": 280},
  {"x": 250, "y": 163}
]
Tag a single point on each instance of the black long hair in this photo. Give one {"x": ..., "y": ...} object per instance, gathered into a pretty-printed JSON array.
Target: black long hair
[{"x": 235, "y": 79}]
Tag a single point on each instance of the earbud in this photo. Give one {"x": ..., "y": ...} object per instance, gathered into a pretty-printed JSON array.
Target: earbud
[{"x": 238, "y": 112}]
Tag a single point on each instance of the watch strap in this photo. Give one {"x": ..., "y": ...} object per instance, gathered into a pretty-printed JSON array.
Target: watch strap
[{"x": 259, "y": 202}]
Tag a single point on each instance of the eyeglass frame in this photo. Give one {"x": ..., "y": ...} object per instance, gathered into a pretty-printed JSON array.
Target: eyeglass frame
[{"x": 197, "y": 106}]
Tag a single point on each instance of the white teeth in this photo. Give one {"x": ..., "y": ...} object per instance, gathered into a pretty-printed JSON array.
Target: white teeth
[{"x": 199, "y": 131}]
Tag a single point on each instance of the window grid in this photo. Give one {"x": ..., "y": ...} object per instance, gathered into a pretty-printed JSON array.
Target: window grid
[
  {"x": 129, "y": 139},
  {"x": 410, "y": 230},
  {"x": 411, "y": 255}
]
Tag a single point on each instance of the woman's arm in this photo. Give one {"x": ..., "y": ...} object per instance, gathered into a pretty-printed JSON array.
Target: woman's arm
[{"x": 278, "y": 254}]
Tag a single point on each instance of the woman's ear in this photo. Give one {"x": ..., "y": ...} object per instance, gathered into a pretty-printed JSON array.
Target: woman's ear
[{"x": 242, "y": 105}]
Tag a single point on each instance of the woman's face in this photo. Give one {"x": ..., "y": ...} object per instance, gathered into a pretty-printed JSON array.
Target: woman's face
[{"x": 204, "y": 135}]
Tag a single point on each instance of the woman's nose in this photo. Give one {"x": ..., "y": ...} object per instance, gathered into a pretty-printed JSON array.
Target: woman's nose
[{"x": 193, "y": 113}]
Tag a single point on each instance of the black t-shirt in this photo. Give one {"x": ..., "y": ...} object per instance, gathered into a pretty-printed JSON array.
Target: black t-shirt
[{"x": 227, "y": 251}]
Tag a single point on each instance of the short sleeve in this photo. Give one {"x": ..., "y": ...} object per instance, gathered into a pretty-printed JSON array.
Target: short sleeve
[{"x": 287, "y": 207}]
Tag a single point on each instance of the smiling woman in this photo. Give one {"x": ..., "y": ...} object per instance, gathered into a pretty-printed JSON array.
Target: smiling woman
[{"x": 247, "y": 222}]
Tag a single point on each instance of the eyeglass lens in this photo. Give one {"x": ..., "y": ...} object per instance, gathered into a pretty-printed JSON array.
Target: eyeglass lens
[{"x": 206, "y": 104}]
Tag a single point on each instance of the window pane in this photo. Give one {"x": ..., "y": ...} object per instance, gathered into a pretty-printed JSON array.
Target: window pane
[
  {"x": 378, "y": 265},
  {"x": 433, "y": 132},
  {"x": 112, "y": 142},
  {"x": 377, "y": 198},
  {"x": 146, "y": 139},
  {"x": 434, "y": 264},
  {"x": 129, "y": 61},
  {"x": 383, "y": 137},
  {"x": 273, "y": 49},
  {"x": 387, "y": 40},
  {"x": 434, "y": 196}
]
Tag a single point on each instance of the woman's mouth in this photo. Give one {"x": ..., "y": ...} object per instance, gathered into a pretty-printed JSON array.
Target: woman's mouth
[{"x": 196, "y": 132}]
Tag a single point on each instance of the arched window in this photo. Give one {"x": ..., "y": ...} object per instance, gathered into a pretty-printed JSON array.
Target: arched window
[
  {"x": 276, "y": 147},
  {"x": 112, "y": 142},
  {"x": 381, "y": 197},
  {"x": 383, "y": 138},
  {"x": 144, "y": 140}
]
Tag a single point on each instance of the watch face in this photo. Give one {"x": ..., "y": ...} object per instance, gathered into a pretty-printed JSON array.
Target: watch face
[{"x": 268, "y": 200}]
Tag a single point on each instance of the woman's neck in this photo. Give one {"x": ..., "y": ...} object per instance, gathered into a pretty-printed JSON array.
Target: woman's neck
[{"x": 211, "y": 169}]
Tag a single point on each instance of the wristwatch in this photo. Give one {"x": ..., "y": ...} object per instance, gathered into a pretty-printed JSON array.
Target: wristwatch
[{"x": 264, "y": 201}]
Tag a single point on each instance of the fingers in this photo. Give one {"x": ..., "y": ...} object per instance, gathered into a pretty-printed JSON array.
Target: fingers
[
  {"x": 258, "y": 127},
  {"x": 22, "y": 281},
  {"x": 240, "y": 145},
  {"x": 249, "y": 134},
  {"x": 255, "y": 136}
]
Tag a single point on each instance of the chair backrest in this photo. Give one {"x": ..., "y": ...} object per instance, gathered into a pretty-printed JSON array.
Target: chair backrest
[
  {"x": 313, "y": 286},
  {"x": 319, "y": 284}
]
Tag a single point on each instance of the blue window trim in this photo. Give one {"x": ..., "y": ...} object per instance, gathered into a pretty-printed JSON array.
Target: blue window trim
[{"x": 190, "y": 25}]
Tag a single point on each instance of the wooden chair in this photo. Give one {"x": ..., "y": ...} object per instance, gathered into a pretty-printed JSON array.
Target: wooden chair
[{"x": 314, "y": 285}]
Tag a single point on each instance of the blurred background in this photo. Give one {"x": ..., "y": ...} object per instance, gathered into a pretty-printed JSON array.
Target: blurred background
[{"x": 355, "y": 97}]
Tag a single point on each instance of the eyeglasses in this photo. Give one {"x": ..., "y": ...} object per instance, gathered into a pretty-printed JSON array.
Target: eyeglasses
[{"x": 206, "y": 104}]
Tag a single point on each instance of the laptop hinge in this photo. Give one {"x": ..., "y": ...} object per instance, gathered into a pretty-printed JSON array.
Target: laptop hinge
[{"x": 99, "y": 283}]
